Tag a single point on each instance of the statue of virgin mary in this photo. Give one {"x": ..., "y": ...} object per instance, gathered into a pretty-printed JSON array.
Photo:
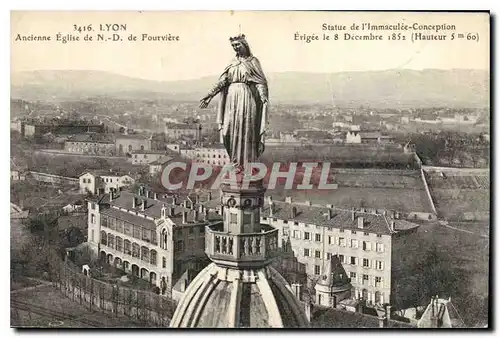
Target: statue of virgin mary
[{"x": 242, "y": 112}]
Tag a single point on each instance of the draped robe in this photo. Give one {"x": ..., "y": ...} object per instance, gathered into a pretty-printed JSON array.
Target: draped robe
[{"x": 241, "y": 112}]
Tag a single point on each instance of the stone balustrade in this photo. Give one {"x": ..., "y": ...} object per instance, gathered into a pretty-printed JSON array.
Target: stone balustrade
[{"x": 247, "y": 249}]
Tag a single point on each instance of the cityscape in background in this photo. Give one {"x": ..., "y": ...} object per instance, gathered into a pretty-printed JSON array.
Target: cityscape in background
[
  {"x": 405, "y": 231},
  {"x": 337, "y": 178}
]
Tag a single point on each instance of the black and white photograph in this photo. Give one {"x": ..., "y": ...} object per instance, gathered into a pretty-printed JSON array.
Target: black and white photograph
[{"x": 250, "y": 169}]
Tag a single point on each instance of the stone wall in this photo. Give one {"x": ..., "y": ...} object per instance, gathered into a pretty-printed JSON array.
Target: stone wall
[{"x": 146, "y": 307}]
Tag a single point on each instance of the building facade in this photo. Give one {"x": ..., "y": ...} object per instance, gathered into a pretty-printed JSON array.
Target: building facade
[
  {"x": 214, "y": 155},
  {"x": 126, "y": 144},
  {"x": 150, "y": 235},
  {"x": 100, "y": 182},
  {"x": 145, "y": 157},
  {"x": 364, "y": 241},
  {"x": 92, "y": 144},
  {"x": 182, "y": 130}
]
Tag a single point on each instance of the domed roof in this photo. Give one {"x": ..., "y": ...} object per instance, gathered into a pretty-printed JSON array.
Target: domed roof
[{"x": 222, "y": 297}]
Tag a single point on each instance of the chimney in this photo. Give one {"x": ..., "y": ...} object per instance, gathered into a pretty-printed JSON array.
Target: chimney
[
  {"x": 330, "y": 214},
  {"x": 308, "y": 203},
  {"x": 143, "y": 205},
  {"x": 353, "y": 214},
  {"x": 134, "y": 202},
  {"x": 201, "y": 208},
  {"x": 171, "y": 210},
  {"x": 297, "y": 291},
  {"x": 288, "y": 199},
  {"x": 183, "y": 285},
  {"x": 174, "y": 200},
  {"x": 184, "y": 217},
  {"x": 308, "y": 310},
  {"x": 381, "y": 321},
  {"x": 111, "y": 195},
  {"x": 393, "y": 225},
  {"x": 155, "y": 196},
  {"x": 209, "y": 195},
  {"x": 293, "y": 212},
  {"x": 271, "y": 209},
  {"x": 361, "y": 222},
  {"x": 205, "y": 214},
  {"x": 434, "y": 317},
  {"x": 387, "y": 311}
]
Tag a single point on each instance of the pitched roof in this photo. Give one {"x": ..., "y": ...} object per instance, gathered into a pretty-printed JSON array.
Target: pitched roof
[
  {"x": 341, "y": 218},
  {"x": 91, "y": 137},
  {"x": 443, "y": 312},
  {"x": 162, "y": 160},
  {"x": 334, "y": 274},
  {"x": 337, "y": 318},
  {"x": 152, "y": 210}
]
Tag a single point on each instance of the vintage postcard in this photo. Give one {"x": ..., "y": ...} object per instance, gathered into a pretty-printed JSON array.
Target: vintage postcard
[{"x": 280, "y": 169}]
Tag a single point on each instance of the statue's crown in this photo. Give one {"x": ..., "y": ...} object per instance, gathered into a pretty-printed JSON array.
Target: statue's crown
[{"x": 237, "y": 38}]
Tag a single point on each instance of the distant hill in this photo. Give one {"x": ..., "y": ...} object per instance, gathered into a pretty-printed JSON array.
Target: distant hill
[{"x": 390, "y": 88}]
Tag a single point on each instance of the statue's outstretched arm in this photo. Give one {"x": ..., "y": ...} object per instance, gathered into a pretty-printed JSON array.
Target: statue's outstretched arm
[{"x": 221, "y": 84}]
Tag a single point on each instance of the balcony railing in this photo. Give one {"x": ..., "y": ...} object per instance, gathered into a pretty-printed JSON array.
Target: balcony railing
[{"x": 248, "y": 249}]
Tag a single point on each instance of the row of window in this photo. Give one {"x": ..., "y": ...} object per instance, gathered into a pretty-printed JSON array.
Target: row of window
[
  {"x": 120, "y": 148},
  {"x": 296, "y": 233},
  {"x": 353, "y": 243},
  {"x": 129, "y": 229},
  {"x": 352, "y": 260},
  {"x": 213, "y": 156},
  {"x": 129, "y": 248},
  {"x": 362, "y": 279}
]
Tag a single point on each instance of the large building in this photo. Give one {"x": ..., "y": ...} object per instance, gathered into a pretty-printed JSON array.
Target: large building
[
  {"x": 214, "y": 154},
  {"x": 369, "y": 243},
  {"x": 91, "y": 143},
  {"x": 145, "y": 157},
  {"x": 36, "y": 128},
  {"x": 102, "y": 181},
  {"x": 126, "y": 144},
  {"x": 177, "y": 131},
  {"x": 149, "y": 234}
]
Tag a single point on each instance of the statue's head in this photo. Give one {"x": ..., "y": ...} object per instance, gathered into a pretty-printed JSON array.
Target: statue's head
[{"x": 240, "y": 45}]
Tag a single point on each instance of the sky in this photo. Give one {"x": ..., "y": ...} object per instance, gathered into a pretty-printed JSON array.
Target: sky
[{"x": 203, "y": 48}]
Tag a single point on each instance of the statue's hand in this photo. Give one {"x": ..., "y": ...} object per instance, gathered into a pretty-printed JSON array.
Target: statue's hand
[{"x": 205, "y": 101}]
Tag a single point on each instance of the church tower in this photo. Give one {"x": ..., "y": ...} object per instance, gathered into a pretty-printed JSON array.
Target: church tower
[{"x": 240, "y": 289}]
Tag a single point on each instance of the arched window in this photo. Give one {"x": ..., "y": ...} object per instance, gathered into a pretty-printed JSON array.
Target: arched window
[
  {"x": 164, "y": 238},
  {"x": 153, "y": 257},
  {"x": 136, "y": 250},
  {"x": 104, "y": 238},
  {"x": 127, "y": 247},
  {"x": 118, "y": 243},
  {"x": 145, "y": 254},
  {"x": 111, "y": 240}
]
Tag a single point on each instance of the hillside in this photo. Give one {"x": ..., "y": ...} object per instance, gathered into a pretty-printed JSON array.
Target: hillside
[{"x": 391, "y": 88}]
